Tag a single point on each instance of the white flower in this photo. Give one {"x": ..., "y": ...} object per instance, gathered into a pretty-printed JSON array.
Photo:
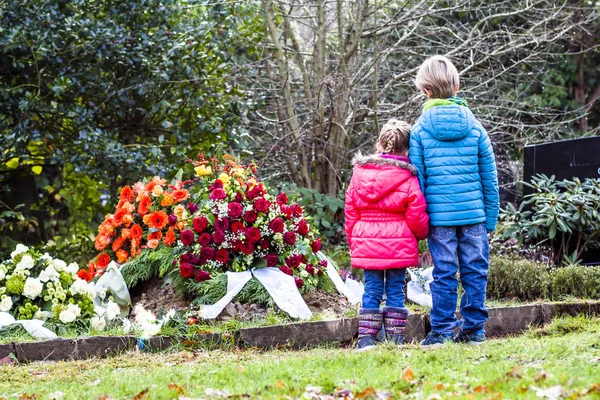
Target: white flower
[
  {"x": 2, "y": 274},
  {"x": 59, "y": 265},
  {"x": 42, "y": 315},
  {"x": 18, "y": 250},
  {"x": 33, "y": 288},
  {"x": 25, "y": 263},
  {"x": 70, "y": 314},
  {"x": 100, "y": 311},
  {"x": 49, "y": 274},
  {"x": 80, "y": 286},
  {"x": 72, "y": 268},
  {"x": 46, "y": 257},
  {"x": 58, "y": 395},
  {"x": 112, "y": 310},
  {"x": 6, "y": 304},
  {"x": 98, "y": 323}
]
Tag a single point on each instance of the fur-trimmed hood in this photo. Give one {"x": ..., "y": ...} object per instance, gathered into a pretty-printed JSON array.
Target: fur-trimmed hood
[{"x": 376, "y": 159}]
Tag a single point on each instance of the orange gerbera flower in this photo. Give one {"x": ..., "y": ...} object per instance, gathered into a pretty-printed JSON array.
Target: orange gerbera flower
[
  {"x": 136, "y": 232},
  {"x": 101, "y": 242},
  {"x": 102, "y": 260},
  {"x": 127, "y": 194},
  {"x": 155, "y": 181},
  {"x": 157, "y": 220},
  {"x": 118, "y": 217},
  {"x": 118, "y": 243},
  {"x": 180, "y": 195},
  {"x": 157, "y": 235},
  {"x": 169, "y": 239},
  {"x": 122, "y": 256},
  {"x": 167, "y": 200},
  {"x": 144, "y": 206}
]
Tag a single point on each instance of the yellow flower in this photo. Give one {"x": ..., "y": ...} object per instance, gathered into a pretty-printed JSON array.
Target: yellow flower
[
  {"x": 251, "y": 183},
  {"x": 224, "y": 178},
  {"x": 202, "y": 170},
  {"x": 157, "y": 191},
  {"x": 237, "y": 171}
]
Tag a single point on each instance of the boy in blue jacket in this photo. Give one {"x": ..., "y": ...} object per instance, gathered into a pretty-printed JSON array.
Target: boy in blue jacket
[{"x": 457, "y": 171}]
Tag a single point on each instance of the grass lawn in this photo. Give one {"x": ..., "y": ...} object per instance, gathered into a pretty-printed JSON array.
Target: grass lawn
[{"x": 558, "y": 361}]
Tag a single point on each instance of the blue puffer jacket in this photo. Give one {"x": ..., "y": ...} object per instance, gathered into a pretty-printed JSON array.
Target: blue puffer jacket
[{"x": 455, "y": 163}]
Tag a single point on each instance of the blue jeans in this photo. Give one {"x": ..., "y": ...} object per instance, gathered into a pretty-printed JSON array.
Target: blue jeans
[
  {"x": 391, "y": 282},
  {"x": 464, "y": 249}
]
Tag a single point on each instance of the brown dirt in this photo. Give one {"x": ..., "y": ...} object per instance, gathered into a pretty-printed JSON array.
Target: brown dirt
[
  {"x": 332, "y": 305},
  {"x": 158, "y": 297}
]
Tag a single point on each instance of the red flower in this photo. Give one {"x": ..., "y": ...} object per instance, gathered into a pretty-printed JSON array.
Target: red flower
[
  {"x": 236, "y": 246},
  {"x": 136, "y": 232},
  {"x": 247, "y": 248},
  {"x": 222, "y": 256},
  {"x": 218, "y": 237},
  {"x": 237, "y": 227},
  {"x": 271, "y": 259},
  {"x": 239, "y": 197},
  {"x": 218, "y": 194},
  {"x": 144, "y": 206},
  {"x": 299, "y": 282},
  {"x": 222, "y": 224},
  {"x": 253, "y": 193},
  {"x": 261, "y": 205},
  {"x": 187, "y": 237},
  {"x": 297, "y": 209},
  {"x": 207, "y": 253},
  {"x": 253, "y": 234},
  {"x": 192, "y": 207},
  {"x": 316, "y": 245},
  {"x": 276, "y": 225},
  {"x": 217, "y": 184},
  {"x": 172, "y": 219},
  {"x": 286, "y": 270},
  {"x": 302, "y": 227},
  {"x": 200, "y": 224},
  {"x": 205, "y": 239},
  {"x": 250, "y": 216},
  {"x": 103, "y": 259},
  {"x": 202, "y": 276},
  {"x": 186, "y": 270},
  {"x": 282, "y": 198},
  {"x": 323, "y": 264},
  {"x": 127, "y": 194},
  {"x": 289, "y": 238},
  {"x": 287, "y": 211},
  {"x": 186, "y": 258},
  {"x": 234, "y": 209},
  {"x": 293, "y": 261},
  {"x": 264, "y": 243},
  {"x": 310, "y": 269}
]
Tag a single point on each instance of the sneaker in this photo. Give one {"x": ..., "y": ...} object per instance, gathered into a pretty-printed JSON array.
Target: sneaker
[
  {"x": 434, "y": 340},
  {"x": 475, "y": 338},
  {"x": 366, "y": 343}
]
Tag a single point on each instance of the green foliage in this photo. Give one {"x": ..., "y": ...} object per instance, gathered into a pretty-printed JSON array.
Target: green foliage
[
  {"x": 576, "y": 281},
  {"x": 517, "y": 277},
  {"x": 147, "y": 265},
  {"x": 564, "y": 212},
  {"x": 327, "y": 211}
]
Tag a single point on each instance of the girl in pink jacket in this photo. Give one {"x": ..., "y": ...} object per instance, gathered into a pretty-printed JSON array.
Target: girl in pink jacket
[{"x": 385, "y": 218}]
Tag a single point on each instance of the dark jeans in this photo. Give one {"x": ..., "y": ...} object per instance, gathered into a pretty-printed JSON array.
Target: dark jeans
[
  {"x": 464, "y": 249},
  {"x": 391, "y": 282}
]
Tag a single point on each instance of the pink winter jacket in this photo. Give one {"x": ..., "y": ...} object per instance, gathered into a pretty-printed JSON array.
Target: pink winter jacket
[{"x": 385, "y": 213}]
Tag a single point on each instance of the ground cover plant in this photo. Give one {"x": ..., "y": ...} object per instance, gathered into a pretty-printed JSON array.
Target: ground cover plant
[{"x": 559, "y": 360}]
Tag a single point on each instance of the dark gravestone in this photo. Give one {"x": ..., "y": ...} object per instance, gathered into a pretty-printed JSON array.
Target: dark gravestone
[
  {"x": 6, "y": 350},
  {"x": 567, "y": 159}
]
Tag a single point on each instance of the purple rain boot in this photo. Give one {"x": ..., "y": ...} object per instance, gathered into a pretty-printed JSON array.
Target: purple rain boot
[
  {"x": 395, "y": 324},
  {"x": 369, "y": 325}
]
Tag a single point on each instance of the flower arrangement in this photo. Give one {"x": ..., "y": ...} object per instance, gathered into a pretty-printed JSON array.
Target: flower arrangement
[
  {"x": 37, "y": 286},
  {"x": 235, "y": 224}
]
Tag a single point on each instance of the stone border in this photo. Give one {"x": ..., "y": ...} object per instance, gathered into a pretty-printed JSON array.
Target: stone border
[{"x": 502, "y": 322}]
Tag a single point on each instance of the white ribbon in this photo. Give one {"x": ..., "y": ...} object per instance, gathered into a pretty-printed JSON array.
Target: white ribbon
[
  {"x": 353, "y": 290},
  {"x": 281, "y": 287},
  {"x": 112, "y": 281},
  {"x": 32, "y": 326},
  {"x": 418, "y": 292}
]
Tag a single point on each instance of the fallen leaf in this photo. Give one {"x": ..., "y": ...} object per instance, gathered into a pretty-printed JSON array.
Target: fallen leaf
[
  {"x": 7, "y": 360},
  {"x": 176, "y": 387},
  {"x": 595, "y": 388},
  {"x": 141, "y": 395},
  {"x": 280, "y": 385},
  {"x": 26, "y": 396},
  {"x": 343, "y": 393},
  {"x": 514, "y": 372},
  {"x": 384, "y": 395},
  {"x": 240, "y": 369},
  {"x": 440, "y": 386},
  {"x": 482, "y": 389},
  {"x": 552, "y": 393},
  {"x": 541, "y": 376},
  {"x": 408, "y": 374},
  {"x": 365, "y": 394}
]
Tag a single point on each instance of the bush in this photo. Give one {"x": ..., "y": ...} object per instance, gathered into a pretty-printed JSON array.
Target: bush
[
  {"x": 576, "y": 281},
  {"x": 516, "y": 277}
]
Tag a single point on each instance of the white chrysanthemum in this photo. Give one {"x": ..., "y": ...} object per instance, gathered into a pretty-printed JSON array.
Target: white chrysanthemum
[
  {"x": 18, "y": 250},
  {"x": 49, "y": 274},
  {"x": 112, "y": 310},
  {"x": 42, "y": 315},
  {"x": 100, "y": 311},
  {"x": 33, "y": 287},
  {"x": 6, "y": 304},
  {"x": 2, "y": 274},
  {"x": 59, "y": 265},
  {"x": 46, "y": 257},
  {"x": 72, "y": 268},
  {"x": 25, "y": 263},
  {"x": 70, "y": 314},
  {"x": 80, "y": 286},
  {"x": 98, "y": 323}
]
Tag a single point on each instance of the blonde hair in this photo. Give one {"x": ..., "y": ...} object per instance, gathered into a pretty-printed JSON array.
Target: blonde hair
[
  {"x": 394, "y": 136},
  {"x": 438, "y": 75}
]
